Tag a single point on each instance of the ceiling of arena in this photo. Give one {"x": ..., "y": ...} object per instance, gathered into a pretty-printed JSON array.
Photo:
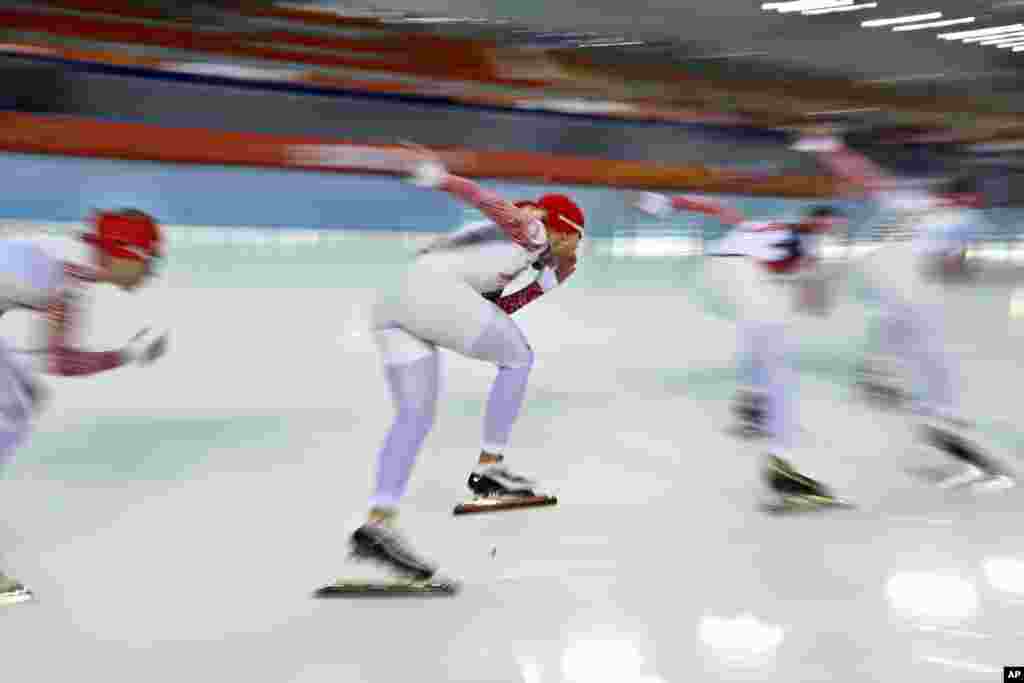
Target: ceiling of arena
[{"x": 739, "y": 37}]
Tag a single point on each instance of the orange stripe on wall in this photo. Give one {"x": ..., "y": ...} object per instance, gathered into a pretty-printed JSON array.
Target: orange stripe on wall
[{"x": 73, "y": 136}]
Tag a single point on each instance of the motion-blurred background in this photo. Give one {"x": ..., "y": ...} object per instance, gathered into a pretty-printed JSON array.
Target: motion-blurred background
[{"x": 173, "y": 519}]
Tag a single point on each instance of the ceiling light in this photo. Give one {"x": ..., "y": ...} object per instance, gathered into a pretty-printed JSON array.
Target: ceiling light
[
  {"x": 985, "y": 40},
  {"x": 992, "y": 30},
  {"x": 1009, "y": 38},
  {"x": 847, "y": 8},
  {"x": 1014, "y": 43},
  {"x": 935, "y": 24},
  {"x": 1018, "y": 49},
  {"x": 902, "y": 20},
  {"x": 801, "y": 5}
]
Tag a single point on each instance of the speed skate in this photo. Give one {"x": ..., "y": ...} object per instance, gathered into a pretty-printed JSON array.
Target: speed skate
[
  {"x": 391, "y": 567},
  {"x": 496, "y": 488},
  {"x": 796, "y": 504},
  {"x": 508, "y": 502},
  {"x": 395, "y": 586}
]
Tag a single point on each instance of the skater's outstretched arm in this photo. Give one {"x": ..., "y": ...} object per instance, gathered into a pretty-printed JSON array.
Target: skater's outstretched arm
[
  {"x": 661, "y": 205},
  {"x": 867, "y": 177},
  {"x": 519, "y": 224},
  {"x": 462, "y": 234},
  {"x": 850, "y": 166}
]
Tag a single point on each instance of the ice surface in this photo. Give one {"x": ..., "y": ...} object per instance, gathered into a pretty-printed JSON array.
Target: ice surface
[{"x": 174, "y": 520}]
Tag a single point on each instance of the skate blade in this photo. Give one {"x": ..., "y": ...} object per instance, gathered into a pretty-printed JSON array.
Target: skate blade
[
  {"x": 354, "y": 588},
  {"x": 16, "y": 597},
  {"x": 801, "y": 504},
  {"x": 1000, "y": 482},
  {"x": 503, "y": 503}
]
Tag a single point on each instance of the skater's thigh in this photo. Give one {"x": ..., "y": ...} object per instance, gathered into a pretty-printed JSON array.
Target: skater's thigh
[
  {"x": 897, "y": 274},
  {"x": 399, "y": 347},
  {"x": 15, "y": 409},
  {"x": 760, "y": 298},
  {"x": 436, "y": 308},
  {"x": 501, "y": 343}
]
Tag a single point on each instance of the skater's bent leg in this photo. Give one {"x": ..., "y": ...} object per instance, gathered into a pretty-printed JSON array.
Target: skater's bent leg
[
  {"x": 412, "y": 368},
  {"x": 503, "y": 343},
  {"x": 779, "y": 386},
  {"x": 940, "y": 391}
]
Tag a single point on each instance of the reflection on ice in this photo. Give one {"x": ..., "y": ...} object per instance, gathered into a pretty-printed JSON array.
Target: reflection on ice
[
  {"x": 1005, "y": 574},
  {"x": 933, "y": 597},
  {"x": 741, "y": 641}
]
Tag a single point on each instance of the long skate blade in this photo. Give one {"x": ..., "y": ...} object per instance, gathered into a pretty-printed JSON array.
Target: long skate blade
[
  {"x": 963, "y": 479},
  {"x": 503, "y": 503},
  {"x": 355, "y": 588},
  {"x": 803, "y": 504},
  {"x": 16, "y": 597}
]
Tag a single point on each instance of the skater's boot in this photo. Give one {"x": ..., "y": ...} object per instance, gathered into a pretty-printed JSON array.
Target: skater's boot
[
  {"x": 749, "y": 409},
  {"x": 792, "y": 490},
  {"x": 12, "y": 591},
  {"x": 387, "y": 548},
  {"x": 495, "y": 487},
  {"x": 496, "y": 480},
  {"x": 880, "y": 387}
]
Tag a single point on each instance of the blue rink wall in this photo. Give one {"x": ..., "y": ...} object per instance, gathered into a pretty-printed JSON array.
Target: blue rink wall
[
  {"x": 65, "y": 189},
  {"x": 40, "y": 188}
]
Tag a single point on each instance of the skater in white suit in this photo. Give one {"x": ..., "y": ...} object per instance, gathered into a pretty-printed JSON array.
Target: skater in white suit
[
  {"x": 125, "y": 245},
  {"x": 908, "y": 278},
  {"x": 776, "y": 269},
  {"x": 445, "y": 299}
]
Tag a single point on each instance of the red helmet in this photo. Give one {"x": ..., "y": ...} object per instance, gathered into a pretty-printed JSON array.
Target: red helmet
[
  {"x": 562, "y": 214},
  {"x": 127, "y": 233}
]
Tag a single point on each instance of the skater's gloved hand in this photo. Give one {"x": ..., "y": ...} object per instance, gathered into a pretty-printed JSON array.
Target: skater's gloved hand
[
  {"x": 145, "y": 347},
  {"x": 566, "y": 267},
  {"x": 428, "y": 174},
  {"x": 653, "y": 204},
  {"x": 428, "y": 170},
  {"x": 38, "y": 394},
  {"x": 817, "y": 143}
]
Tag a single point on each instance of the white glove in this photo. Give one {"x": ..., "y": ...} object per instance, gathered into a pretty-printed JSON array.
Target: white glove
[
  {"x": 547, "y": 279},
  {"x": 145, "y": 348},
  {"x": 654, "y": 204},
  {"x": 428, "y": 174},
  {"x": 818, "y": 144}
]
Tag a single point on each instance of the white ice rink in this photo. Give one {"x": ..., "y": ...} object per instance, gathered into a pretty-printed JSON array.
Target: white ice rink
[{"x": 174, "y": 520}]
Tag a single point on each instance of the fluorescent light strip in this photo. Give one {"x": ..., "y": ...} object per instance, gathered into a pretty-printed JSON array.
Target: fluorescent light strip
[
  {"x": 1019, "y": 49},
  {"x": 902, "y": 20},
  {"x": 804, "y": 8},
  {"x": 1010, "y": 43},
  {"x": 999, "y": 39},
  {"x": 848, "y": 8},
  {"x": 800, "y": 5},
  {"x": 992, "y": 30},
  {"x": 984, "y": 40},
  {"x": 935, "y": 24}
]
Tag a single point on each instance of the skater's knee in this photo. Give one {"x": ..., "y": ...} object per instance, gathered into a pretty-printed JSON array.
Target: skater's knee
[
  {"x": 419, "y": 410},
  {"x": 521, "y": 357}
]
